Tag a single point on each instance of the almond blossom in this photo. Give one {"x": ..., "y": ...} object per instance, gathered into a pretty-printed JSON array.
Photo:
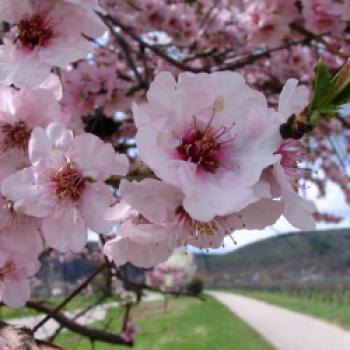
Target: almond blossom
[
  {"x": 91, "y": 86},
  {"x": 15, "y": 271},
  {"x": 149, "y": 233},
  {"x": 268, "y": 21},
  {"x": 19, "y": 233},
  {"x": 20, "y": 112},
  {"x": 45, "y": 34},
  {"x": 284, "y": 175},
  {"x": 210, "y": 135},
  {"x": 65, "y": 185},
  {"x": 323, "y": 16}
]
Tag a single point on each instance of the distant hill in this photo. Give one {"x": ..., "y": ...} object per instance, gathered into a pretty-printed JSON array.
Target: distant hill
[{"x": 294, "y": 256}]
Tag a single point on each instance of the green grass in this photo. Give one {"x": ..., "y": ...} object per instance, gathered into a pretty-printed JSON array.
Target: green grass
[
  {"x": 332, "y": 312},
  {"x": 7, "y": 313},
  {"x": 189, "y": 324}
]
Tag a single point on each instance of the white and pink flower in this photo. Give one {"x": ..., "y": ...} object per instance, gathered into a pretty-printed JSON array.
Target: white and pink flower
[
  {"x": 19, "y": 233},
  {"x": 283, "y": 177},
  {"x": 211, "y": 136},
  {"x": 22, "y": 111},
  {"x": 15, "y": 273},
  {"x": 149, "y": 233},
  {"x": 46, "y": 34},
  {"x": 65, "y": 185},
  {"x": 322, "y": 16}
]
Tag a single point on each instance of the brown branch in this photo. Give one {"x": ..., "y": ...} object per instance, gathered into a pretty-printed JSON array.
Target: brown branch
[
  {"x": 80, "y": 288},
  {"x": 91, "y": 333},
  {"x": 239, "y": 63},
  {"x": 155, "y": 49},
  {"x": 182, "y": 64},
  {"x": 115, "y": 179},
  {"x": 318, "y": 38},
  {"x": 126, "y": 318},
  {"x": 78, "y": 315},
  {"x": 127, "y": 53}
]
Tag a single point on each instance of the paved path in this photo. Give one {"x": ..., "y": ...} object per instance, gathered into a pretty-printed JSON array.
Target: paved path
[
  {"x": 284, "y": 329},
  {"x": 97, "y": 313}
]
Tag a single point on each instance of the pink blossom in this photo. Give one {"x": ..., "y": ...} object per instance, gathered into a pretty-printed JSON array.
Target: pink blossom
[
  {"x": 65, "y": 185},
  {"x": 92, "y": 3},
  {"x": 150, "y": 232},
  {"x": 20, "y": 112},
  {"x": 292, "y": 100},
  {"x": 19, "y": 233},
  {"x": 284, "y": 175},
  {"x": 268, "y": 22},
  {"x": 15, "y": 271},
  {"x": 323, "y": 16},
  {"x": 210, "y": 135},
  {"x": 46, "y": 34},
  {"x": 91, "y": 86}
]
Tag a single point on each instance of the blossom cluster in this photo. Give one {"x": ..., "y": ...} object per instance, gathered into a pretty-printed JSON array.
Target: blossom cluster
[
  {"x": 206, "y": 142},
  {"x": 90, "y": 86},
  {"x": 52, "y": 182},
  {"x": 220, "y": 165}
]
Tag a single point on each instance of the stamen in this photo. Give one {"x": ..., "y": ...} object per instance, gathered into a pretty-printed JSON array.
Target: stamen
[
  {"x": 69, "y": 183},
  {"x": 15, "y": 135},
  {"x": 204, "y": 147},
  {"x": 34, "y": 31}
]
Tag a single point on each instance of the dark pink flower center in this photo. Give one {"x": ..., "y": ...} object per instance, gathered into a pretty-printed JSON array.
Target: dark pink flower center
[
  {"x": 200, "y": 148},
  {"x": 204, "y": 146},
  {"x": 69, "y": 183},
  {"x": 34, "y": 31},
  {"x": 15, "y": 135}
]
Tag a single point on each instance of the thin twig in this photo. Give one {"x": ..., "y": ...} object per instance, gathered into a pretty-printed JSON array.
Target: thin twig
[
  {"x": 318, "y": 38},
  {"x": 90, "y": 333},
  {"x": 80, "y": 288}
]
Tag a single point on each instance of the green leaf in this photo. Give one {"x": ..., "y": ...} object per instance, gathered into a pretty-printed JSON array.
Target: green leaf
[{"x": 322, "y": 87}]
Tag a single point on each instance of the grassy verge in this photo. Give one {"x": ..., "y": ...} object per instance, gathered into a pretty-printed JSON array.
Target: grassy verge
[
  {"x": 7, "y": 313},
  {"x": 188, "y": 324},
  {"x": 332, "y": 312}
]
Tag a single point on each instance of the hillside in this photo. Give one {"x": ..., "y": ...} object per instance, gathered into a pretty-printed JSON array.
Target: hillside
[{"x": 297, "y": 256}]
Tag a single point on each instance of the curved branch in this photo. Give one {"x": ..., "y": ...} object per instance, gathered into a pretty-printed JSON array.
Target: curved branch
[
  {"x": 91, "y": 333},
  {"x": 81, "y": 287},
  {"x": 159, "y": 52}
]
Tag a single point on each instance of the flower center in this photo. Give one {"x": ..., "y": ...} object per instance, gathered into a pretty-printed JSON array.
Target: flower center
[
  {"x": 204, "y": 146},
  {"x": 15, "y": 135},
  {"x": 200, "y": 148},
  {"x": 203, "y": 234},
  {"x": 69, "y": 183},
  {"x": 33, "y": 32}
]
